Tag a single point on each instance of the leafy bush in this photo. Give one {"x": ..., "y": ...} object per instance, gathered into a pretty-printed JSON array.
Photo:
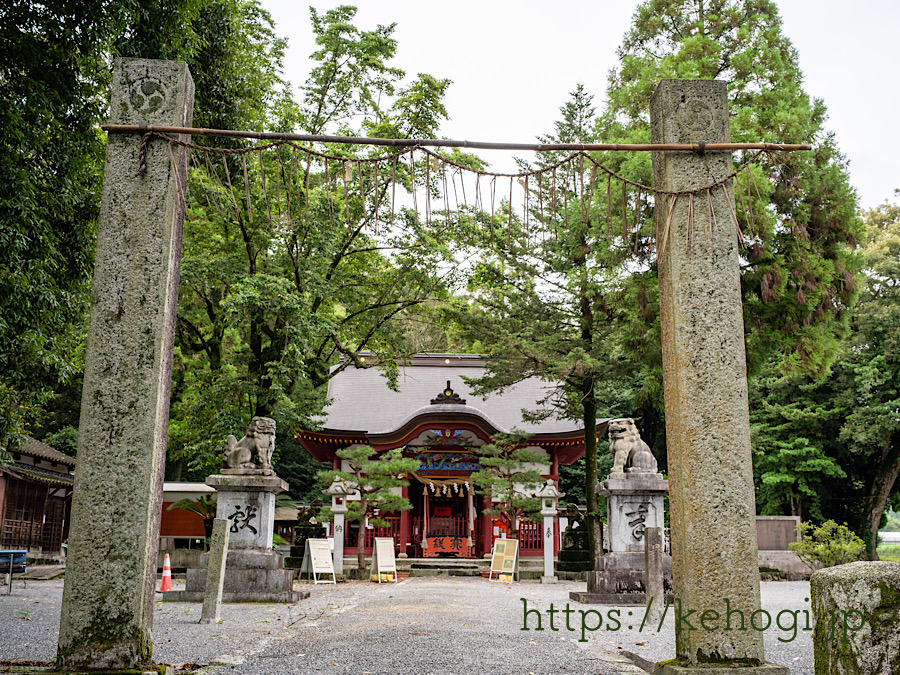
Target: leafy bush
[{"x": 827, "y": 545}]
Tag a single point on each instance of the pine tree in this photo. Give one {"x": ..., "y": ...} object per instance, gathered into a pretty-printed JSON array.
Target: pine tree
[{"x": 376, "y": 479}]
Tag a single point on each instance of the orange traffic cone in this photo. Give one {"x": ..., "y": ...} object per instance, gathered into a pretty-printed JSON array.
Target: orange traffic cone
[{"x": 166, "y": 584}]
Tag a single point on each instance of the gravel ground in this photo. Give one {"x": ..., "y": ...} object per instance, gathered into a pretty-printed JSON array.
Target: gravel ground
[{"x": 421, "y": 625}]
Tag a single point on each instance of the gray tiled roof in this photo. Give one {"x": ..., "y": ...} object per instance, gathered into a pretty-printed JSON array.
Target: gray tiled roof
[
  {"x": 35, "y": 448},
  {"x": 362, "y": 401}
]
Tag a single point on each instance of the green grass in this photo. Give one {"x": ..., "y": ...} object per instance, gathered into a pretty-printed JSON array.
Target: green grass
[{"x": 889, "y": 552}]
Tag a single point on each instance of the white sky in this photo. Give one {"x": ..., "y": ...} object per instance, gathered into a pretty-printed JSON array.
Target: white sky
[{"x": 513, "y": 64}]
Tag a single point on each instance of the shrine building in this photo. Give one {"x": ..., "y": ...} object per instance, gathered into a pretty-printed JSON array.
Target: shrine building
[{"x": 435, "y": 418}]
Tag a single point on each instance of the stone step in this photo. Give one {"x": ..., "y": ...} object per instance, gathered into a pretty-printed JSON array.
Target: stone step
[
  {"x": 563, "y": 566},
  {"x": 574, "y": 555}
]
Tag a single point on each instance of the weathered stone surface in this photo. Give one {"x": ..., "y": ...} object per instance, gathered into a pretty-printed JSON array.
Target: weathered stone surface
[
  {"x": 713, "y": 530},
  {"x": 856, "y": 609},
  {"x": 215, "y": 572},
  {"x": 248, "y": 502},
  {"x": 107, "y": 609},
  {"x": 654, "y": 572}
]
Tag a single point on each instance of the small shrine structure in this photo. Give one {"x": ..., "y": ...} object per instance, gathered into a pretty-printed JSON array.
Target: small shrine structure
[
  {"x": 35, "y": 499},
  {"x": 436, "y": 419}
]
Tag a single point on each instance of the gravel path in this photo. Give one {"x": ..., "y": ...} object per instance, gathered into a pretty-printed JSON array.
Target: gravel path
[{"x": 421, "y": 625}]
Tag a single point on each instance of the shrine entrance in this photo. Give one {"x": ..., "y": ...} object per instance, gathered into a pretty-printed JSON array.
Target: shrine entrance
[{"x": 444, "y": 525}]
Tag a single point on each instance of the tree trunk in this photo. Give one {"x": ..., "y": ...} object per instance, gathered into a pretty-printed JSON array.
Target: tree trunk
[
  {"x": 879, "y": 491},
  {"x": 589, "y": 417}
]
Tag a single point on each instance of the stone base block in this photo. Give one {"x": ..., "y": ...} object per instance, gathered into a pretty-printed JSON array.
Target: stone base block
[
  {"x": 236, "y": 596},
  {"x": 612, "y": 598},
  {"x": 856, "y": 608},
  {"x": 763, "y": 669},
  {"x": 245, "y": 581},
  {"x": 549, "y": 580},
  {"x": 623, "y": 573}
]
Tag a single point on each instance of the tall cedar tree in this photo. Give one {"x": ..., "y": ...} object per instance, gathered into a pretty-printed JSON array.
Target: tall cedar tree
[
  {"x": 548, "y": 310},
  {"x": 829, "y": 447},
  {"x": 572, "y": 313}
]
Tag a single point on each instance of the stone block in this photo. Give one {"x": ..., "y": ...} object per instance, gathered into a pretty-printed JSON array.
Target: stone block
[
  {"x": 763, "y": 669},
  {"x": 856, "y": 609}
]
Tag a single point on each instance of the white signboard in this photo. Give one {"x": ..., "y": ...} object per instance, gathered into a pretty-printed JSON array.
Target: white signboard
[
  {"x": 383, "y": 561},
  {"x": 505, "y": 560},
  {"x": 317, "y": 560}
]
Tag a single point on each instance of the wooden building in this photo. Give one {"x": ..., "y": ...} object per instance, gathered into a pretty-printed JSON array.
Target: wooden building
[
  {"x": 435, "y": 418},
  {"x": 35, "y": 499}
]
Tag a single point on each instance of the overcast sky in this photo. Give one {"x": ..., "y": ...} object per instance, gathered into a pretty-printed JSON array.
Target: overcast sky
[{"x": 513, "y": 65}]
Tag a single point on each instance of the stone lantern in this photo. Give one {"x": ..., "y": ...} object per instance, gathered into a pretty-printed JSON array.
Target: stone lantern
[
  {"x": 549, "y": 496},
  {"x": 339, "y": 493}
]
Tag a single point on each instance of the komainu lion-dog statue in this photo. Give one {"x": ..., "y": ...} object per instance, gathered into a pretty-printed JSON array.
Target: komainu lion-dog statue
[
  {"x": 628, "y": 449},
  {"x": 254, "y": 450}
]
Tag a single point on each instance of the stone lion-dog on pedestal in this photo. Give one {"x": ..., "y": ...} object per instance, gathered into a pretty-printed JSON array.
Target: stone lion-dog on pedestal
[
  {"x": 254, "y": 451},
  {"x": 628, "y": 449}
]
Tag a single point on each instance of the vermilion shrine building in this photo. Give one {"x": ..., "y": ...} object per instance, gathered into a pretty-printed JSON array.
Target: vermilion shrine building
[{"x": 435, "y": 419}]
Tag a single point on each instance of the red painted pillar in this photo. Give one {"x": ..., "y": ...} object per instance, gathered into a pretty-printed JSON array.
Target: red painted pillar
[
  {"x": 405, "y": 524},
  {"x": 487, "y": 526}
]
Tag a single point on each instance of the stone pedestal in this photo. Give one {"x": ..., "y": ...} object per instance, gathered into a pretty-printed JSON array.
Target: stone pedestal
[
  {"x": 253, "y": 571},
  {"x": 635, "y": 501}
]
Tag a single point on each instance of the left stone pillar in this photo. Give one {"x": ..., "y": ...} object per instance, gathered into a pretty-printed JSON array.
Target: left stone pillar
[{"x": 107, "y": 609}]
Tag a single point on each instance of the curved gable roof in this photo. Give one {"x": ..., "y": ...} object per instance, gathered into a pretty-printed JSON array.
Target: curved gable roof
[{"x": 362, "y": 401}]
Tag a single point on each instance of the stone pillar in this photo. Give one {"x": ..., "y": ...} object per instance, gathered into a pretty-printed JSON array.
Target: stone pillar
[
  {"x": 107, "y": 608},
  {"x": 654, "y": 585},
  {"x": 713, "y": 527},
  {"x": 549, "y": 577},
  {"x": 215, "y": 572},
  {"x": 339, "y": 529},
  {"x": 857, "y": 609}
]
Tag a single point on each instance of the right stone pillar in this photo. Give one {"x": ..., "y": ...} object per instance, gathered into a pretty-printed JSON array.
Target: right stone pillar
[{"x": 713, "y": 526}]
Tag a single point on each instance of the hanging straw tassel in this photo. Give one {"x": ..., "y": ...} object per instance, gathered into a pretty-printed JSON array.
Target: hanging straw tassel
[
  {"x": 247, "y": 187},
  {"x": 412, "y": 183},
  {"x": 262, "y": 172},
  {"x": 347, "y": 174},
  {"x": 637, "y": 220},
  {"x": 393, "y": 190},
  {"x": 663, "y": 242}
]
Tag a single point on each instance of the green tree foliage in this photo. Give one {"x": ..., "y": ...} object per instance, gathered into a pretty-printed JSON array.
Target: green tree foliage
[
  {"x": 798, "y": 214},
  {"x": 828, "y": 447},
  {"x": 275, "y": 291},
  {"x": 376, "y": 479},
  {"x": 827, "y": 545},
  {"x": 510, "y": 475}
]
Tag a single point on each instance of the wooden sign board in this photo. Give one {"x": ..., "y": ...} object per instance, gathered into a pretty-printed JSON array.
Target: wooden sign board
[
  {"x": 383, "y": 562},
  {"x": 317, "y": 560},
  {"x": 505, "y": 560}
]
